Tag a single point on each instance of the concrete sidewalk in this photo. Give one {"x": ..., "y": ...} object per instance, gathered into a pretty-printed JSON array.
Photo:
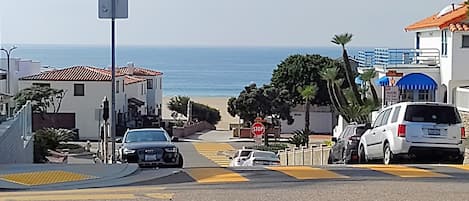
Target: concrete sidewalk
[{"x": 61, "y": 176}]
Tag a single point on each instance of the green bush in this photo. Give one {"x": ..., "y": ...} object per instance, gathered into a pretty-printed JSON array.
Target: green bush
[
  {"x": 300, "y": 137},
  {"x": 49, "y": 138}
]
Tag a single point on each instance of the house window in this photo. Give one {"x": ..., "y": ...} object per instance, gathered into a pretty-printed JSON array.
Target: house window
[
  {"x": 79, "y": 89},
  {"x": 117, "y": 88},
  {"x": 149, "y": 83},
  {"x": 160, "y": 83},
  {"x": 465, "y": 41},
  {"x": 142, "y": 89},
  {"x": 444, "y": 43},
  {"x": 123, "y": 86},
  {"x": 41, "y": 84}
]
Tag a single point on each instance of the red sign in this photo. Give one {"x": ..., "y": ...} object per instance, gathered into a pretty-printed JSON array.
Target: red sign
[{"x": 258, "y": 129}]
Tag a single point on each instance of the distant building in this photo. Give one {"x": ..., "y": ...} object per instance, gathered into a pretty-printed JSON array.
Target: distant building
[{"x": 86, "y": 87}]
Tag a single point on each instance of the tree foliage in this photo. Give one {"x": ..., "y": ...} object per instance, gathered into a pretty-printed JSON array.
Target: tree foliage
[
  {"x": 265, "y": 101},
  {"x": 200, "y": 112},
  {"x": 308, "y": 93},
  {"x": 42, "y": 98},
  {"x": 303, "y": 70}
]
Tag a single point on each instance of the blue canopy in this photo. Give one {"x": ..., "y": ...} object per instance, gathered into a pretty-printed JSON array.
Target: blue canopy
[
  {"x": 417, "y": 81},
  {"x": 383, "y": 81},
  {"x": 358, "y": 80}
]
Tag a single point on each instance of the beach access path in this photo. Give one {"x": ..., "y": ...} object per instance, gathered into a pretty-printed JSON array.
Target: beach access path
[{"x": 220, "y": 103}]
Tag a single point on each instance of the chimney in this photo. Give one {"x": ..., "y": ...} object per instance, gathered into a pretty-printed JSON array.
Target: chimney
[{"x": 131, "y": 67}]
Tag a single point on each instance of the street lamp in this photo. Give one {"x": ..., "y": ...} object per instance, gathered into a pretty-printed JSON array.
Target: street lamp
[{"x": 8, "y": 53}]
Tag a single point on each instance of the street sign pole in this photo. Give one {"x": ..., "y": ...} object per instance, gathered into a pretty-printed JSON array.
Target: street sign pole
[
  {"x": 113, "y": 9},
  {"x": 113, "y": 78}
]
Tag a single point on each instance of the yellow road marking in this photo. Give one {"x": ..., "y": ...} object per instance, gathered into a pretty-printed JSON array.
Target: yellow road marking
[
  {"x": 44, "y": 177},
  {"x": 160, "y": 195},
  {"x": 462, "y": 167},
  {"x": 72, "y": 197},
  {"x": 214, "y": 175},
  {"x": 213, "y": 151},
  {"x": 304, "y": 172},
  {"x": 403, "y": 171}
]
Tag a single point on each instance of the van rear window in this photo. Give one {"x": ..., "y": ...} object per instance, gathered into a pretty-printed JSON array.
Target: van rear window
[{"x": 434, "y": 114}]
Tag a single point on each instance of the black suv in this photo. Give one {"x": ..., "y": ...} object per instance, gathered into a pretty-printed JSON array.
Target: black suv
[{"x": 345, "y": 149}]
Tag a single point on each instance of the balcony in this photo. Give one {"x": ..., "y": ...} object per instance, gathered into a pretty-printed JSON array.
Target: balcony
[{"x": 399, "y": 58}]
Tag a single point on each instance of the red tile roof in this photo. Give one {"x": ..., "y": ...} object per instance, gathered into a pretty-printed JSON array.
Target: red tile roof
[
  {"x": 76, "y": 73},
  {"x": 459, "y": 27},
  {"x": 442, "y": 22},
  {"x": 131, "y": 80},
  {"x": 138, "y": 71}
]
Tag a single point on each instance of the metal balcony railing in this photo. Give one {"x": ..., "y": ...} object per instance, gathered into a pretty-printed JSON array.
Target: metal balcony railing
[{"x": 387, "y": 57}]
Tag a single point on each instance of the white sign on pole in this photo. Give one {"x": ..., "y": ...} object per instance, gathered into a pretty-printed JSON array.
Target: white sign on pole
[
  {"x": 105, "y": 9},
  {"x": 391, "y": 94}
]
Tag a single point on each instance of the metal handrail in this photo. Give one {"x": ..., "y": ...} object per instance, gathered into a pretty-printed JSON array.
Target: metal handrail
[{"x": 399, "y": 56}]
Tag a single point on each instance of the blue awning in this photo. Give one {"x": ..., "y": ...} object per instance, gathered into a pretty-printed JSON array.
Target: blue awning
[
  {"x": 358, "y": 80},
  {"x": 417, "y": 81},
  {"x": 383, "y": 81}
]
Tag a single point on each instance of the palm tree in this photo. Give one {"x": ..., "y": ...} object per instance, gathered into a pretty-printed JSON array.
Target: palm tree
[
  {"x": 308, "y": 93},
  {"x": 366, "y": 76},
  {"x": 342, "y": 40}
]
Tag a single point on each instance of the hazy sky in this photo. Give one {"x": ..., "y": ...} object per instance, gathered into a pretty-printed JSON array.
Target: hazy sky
[{"x": 217, "y": 22}]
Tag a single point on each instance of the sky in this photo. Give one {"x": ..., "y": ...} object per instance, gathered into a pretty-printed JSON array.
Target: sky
[{"x": 293, "y": 23}]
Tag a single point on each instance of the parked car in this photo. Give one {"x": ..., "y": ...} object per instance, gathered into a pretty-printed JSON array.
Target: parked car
[
  {"x": 149, "y": 147},
  {"x": 239, "y": 157},
  {"x": 345, "y": 149},
  {"x": 414, "y": 130},
  {"x": 262, "y": 158}
]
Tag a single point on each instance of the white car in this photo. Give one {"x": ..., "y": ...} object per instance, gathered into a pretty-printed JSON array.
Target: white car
[
  {"x": 414, "y": 129},
  {"x": 239, "y": 157},
  {"x": 262, "y": 158}
]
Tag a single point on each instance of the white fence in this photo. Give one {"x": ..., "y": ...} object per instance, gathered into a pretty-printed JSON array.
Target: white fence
[
  {"x": 16, "y": 138},
  {"x": 310, "y": 156}
]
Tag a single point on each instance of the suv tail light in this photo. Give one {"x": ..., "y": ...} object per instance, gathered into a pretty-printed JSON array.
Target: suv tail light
[
  {"x": 463, "y": 133},
  {"x": 401, "y": 130},
  {"x": 353, "y": 138}
]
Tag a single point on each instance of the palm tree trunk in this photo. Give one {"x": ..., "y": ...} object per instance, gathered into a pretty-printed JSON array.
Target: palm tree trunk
[
  {"x": 375, "y": 95},
  {"x": 307, "y": 116},
  {"x": 332, "y": 96},
  {"x": 350, "y": 78}
]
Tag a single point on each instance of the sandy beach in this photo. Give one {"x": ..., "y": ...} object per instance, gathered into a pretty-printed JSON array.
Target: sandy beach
[{"x": 219, "y": 103}]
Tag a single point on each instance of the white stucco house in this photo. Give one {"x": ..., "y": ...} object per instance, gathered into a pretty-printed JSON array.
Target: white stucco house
[
  {"x": 153, "y": 87},
  {"x": 85, "y": 88},
  {"x": 435, "y": 69}
]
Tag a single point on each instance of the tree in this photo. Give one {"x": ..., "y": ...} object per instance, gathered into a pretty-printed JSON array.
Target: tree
[
  {"x": 42, "y": 98},
  {"x": 308, "y": 93},
  {"x": 303, "y": 70},
  {"x": 200, "y": 112},
  {"x": 265, "y": 101},
  {"x": 342, "y": 40},
  {"x": 366, "y": 76}
]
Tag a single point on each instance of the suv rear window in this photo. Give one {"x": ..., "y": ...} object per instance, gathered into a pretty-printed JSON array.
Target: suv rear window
[
  {"x": 360, "y": 130},
  {"x": 434, "y": 114}
]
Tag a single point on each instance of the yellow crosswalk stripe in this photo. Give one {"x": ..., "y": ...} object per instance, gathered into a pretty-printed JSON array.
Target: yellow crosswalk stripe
[
  {"x": 214, "y": 152},
  {"x": 215, "y": 175},
  {"x": 402, "y": 171},
  {"x": 304, "y": 172},
  {"x": 462, "y": 167},
  {"x": 163, "y": 196}
]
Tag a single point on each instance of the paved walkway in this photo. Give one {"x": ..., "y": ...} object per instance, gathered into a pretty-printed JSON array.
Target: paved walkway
[{"x": 57, "y": 176}]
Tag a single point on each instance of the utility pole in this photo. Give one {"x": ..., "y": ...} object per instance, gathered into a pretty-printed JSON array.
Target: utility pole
[{"x": 113, "y": 9}]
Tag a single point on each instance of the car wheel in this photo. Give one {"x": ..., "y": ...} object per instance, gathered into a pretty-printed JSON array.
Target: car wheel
[
  {"x": 180, "y": 161},
  {"x": 361, "y": 156},
  {"x": 388, "y": 155}
]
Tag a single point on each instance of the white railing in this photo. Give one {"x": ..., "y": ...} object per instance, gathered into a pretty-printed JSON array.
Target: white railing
[
  {"x": 16, "y": 137},
  {"x": 388, "y": 57},
  {"x": 309, "y": 156}
]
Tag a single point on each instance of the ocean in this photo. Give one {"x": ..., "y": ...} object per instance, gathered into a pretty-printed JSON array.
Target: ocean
[{"x": 189, "y": 71}]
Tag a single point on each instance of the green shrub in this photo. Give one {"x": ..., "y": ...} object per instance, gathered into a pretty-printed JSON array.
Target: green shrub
[
  {"x": 49, "y": 138},
  {"x": 300, "y": 137}
]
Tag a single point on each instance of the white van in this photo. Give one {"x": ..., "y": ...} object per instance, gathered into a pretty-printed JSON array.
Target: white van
[{"x": 414, "y": 129}]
